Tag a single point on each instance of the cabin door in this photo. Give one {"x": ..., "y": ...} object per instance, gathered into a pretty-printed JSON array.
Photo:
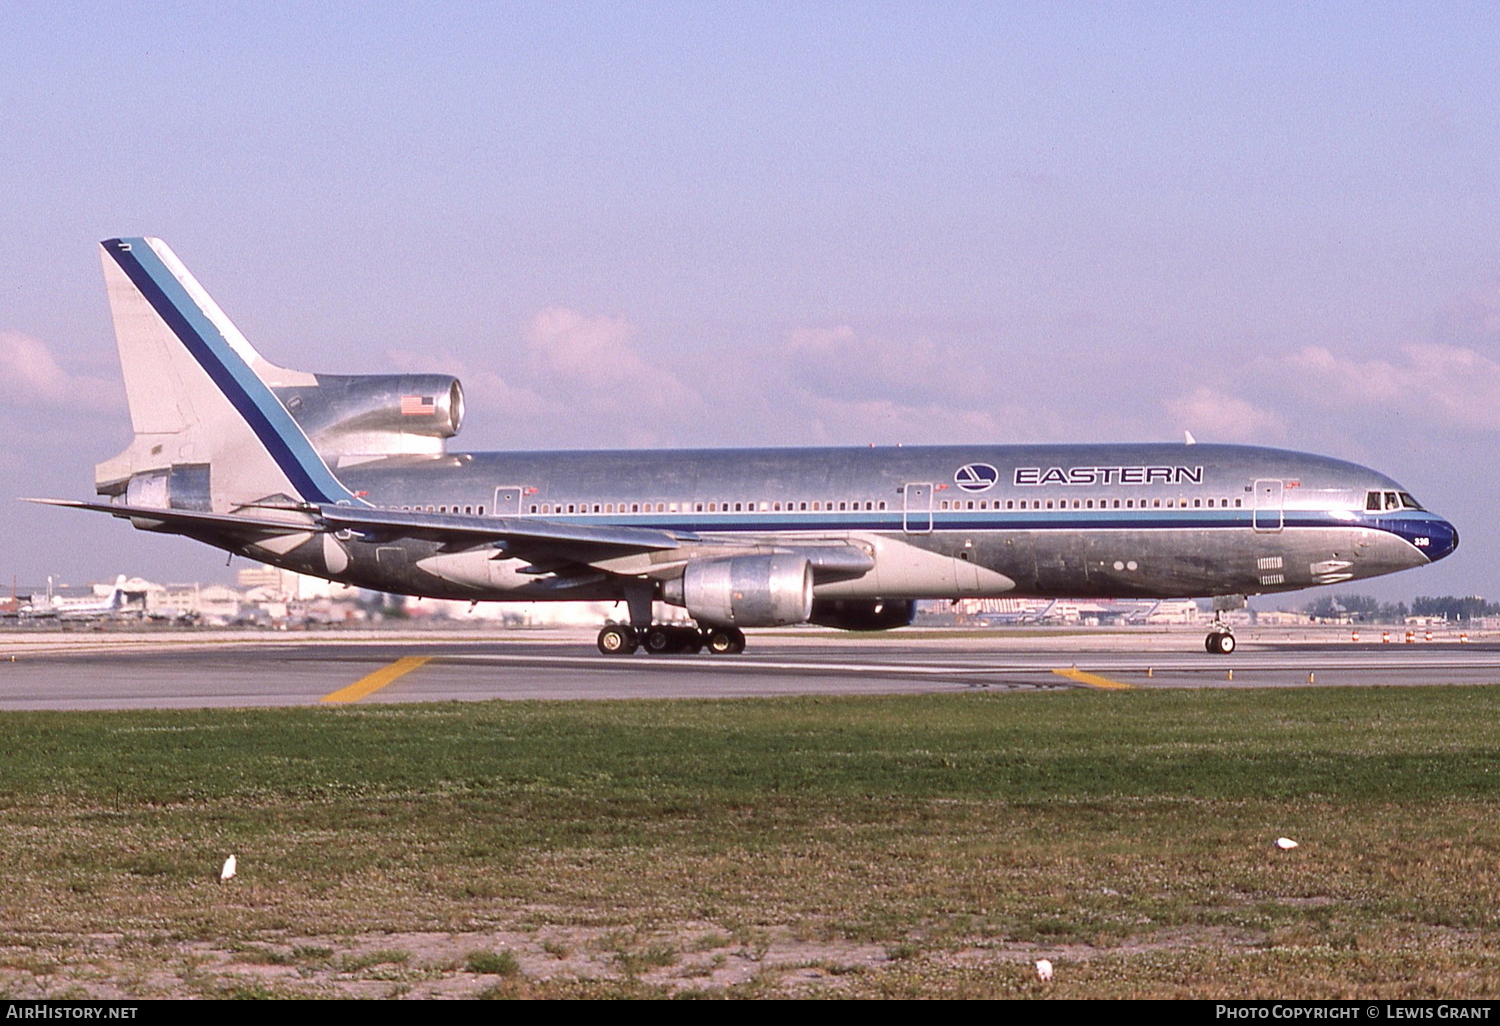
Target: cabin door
[
  {"x": 1267, "y": 516},
  {"x": 916, "y": 516}
]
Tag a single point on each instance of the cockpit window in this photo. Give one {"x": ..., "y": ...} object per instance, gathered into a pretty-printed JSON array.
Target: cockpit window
[{"x": 1377, "y": 501}]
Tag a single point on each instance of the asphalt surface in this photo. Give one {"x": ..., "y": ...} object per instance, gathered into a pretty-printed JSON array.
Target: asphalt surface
[{"x": 105, "y": 670}]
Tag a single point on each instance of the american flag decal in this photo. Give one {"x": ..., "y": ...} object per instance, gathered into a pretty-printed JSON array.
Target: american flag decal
[{"x": 417, "y": 406}]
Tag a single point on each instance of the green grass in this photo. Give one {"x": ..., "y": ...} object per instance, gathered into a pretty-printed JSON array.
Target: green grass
[
  {"x": 494, "y": 963},
  {"x": 1134, "y": 825}
]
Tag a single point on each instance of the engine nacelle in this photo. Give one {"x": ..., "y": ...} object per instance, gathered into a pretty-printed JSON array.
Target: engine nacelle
[
  {"x": 745, "y": 591},
  {"x": 863, "y": 614},
  {"x": 376, "y": 414}
]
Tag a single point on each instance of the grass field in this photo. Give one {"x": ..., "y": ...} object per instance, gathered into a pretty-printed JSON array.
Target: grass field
[{"x": 902, "y": 846}]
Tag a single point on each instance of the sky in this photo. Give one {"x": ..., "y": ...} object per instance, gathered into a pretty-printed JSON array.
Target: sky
[{"x": 728, "y": 224}]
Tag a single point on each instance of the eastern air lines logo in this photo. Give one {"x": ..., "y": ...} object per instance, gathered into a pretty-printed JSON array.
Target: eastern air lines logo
[{"x": 975, "y": 477}]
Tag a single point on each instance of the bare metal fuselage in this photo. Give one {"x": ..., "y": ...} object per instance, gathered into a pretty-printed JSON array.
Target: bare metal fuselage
[{"x": 1157, "y": 521}]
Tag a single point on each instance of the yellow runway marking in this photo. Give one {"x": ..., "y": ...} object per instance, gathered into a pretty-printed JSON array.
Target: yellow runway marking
[
  {"x": 1093, "y": 680},
  {"x": 377, "y": 680}
]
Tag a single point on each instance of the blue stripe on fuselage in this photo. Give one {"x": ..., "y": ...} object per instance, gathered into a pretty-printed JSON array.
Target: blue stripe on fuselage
[
  {"x": 281, "y": 436},
  {"x": 890, "y": 522}
]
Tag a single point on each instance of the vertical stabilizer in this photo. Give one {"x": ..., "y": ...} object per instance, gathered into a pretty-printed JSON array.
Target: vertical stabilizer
[{"x": 209, "y": 433}]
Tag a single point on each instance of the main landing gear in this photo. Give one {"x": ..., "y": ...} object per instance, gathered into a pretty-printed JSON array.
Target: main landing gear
[{"x": 662, "y": 639}]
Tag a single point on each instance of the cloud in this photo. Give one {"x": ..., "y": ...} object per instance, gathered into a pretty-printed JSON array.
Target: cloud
[
  {"x": 842, "y": 362},
  {"x": 1217, "y": 417},
  {"x": 595, "y": 354},
  {"x": 30, "y": 375},
  {"x": 1472, "y": 318},
  {"x": 570, "y": 379},
  {"x": 1452, "y": 385}
]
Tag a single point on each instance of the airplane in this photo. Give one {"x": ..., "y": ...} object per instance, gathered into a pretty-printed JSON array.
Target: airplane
[
  {"x": 348, "y": 477},
  {"x": 96, "y": 608}
]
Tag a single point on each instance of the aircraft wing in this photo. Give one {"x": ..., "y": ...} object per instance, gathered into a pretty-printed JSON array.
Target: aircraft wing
[
  {"x": 547, "y": 543},
  {"x": 573, "y": 541}
]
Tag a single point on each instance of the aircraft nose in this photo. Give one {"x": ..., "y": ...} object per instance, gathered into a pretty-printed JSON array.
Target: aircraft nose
[
  {"x": 1442, "y": 539},
  {"x": 1428, "y": 534}
]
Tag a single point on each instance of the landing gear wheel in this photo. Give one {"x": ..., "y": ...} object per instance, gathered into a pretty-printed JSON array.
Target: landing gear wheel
[
  {"x": 691, "y": 640},
  {"x": 725, "y": 640},
  {"x": 617, "y": 640},
  {"x": 661, "y": 640},
  {"x": 1219, "y": 642}
]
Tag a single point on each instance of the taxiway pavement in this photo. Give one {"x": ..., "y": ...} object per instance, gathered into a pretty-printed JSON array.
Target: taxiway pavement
[{"x": 105, "y": 670}]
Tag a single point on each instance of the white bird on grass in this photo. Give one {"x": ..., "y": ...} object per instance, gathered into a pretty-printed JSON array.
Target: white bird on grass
[
  {"x": 1043, "y": 970},
  {"x": 231, "y": 866},
  {"x": 1285, "y": 843}
]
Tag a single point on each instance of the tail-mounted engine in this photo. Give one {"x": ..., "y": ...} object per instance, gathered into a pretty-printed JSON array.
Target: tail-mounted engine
[
  {"x": 745, "y": 591},
  {"x": 376, "y": 414}
]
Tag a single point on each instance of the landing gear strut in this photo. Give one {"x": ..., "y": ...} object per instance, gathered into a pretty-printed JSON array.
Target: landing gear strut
[{"x": 663, "y": 639}]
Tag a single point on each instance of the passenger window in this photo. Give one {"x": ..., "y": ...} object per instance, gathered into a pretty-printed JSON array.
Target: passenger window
[{"x": 882, "y": 504}]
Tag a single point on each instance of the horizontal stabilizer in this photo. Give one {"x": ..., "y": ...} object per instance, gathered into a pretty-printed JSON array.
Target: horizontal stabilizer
[{"x": 181, "y": 521}]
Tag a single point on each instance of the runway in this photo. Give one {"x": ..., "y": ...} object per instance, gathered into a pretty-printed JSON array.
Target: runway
[{"x": 101, "y": 670}]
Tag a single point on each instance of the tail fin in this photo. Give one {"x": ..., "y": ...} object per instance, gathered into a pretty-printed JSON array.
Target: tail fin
[{"x": 209, "y": 433}]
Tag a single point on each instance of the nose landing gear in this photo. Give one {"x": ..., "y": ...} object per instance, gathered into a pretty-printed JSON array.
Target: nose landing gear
[{"x": 1220, "y": 640}]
